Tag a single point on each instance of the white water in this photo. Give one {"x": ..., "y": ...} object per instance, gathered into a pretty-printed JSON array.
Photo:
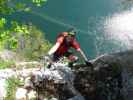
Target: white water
[{"x": 119, "y": 28}]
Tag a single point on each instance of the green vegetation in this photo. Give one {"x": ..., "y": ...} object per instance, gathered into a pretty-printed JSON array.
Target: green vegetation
[
  {"x": 12, "y": 84},
  {"x": 11, "y": 6},
  {"x": 6, "y": 64},
  {"x": 33, "y": 44},
  {"x": 39, "y": 2},
  {"x": 6, "y": 36},
  {"x": 24, "y": 39}
]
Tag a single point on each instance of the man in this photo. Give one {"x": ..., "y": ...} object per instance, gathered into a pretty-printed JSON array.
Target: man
[{"x": 64, "y": 42}]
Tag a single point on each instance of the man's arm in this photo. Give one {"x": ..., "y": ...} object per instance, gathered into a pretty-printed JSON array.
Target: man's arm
[
  {"x": 54, "y": 48},
  {"x": 82, "y": 54},
  {"x": 88, "y": 63},
  {"x": 76, "y": 45},
  {"x": 85, "y": 58}
]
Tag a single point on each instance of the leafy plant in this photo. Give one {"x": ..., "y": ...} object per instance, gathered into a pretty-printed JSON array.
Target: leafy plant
[
  {"x": 39, "y": 2},
  {"x": 11, "y": 6},
  {"x": 33, "y": 44},
  {"x": 20, "y": 37}
]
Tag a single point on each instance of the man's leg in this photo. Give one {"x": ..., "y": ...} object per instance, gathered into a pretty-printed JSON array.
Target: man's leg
[
  {"x": 54, "y": 58},
  {"x": 71, "y": 57}
]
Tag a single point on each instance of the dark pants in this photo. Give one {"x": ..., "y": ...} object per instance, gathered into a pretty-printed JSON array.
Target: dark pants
[{"x": 69, "y": 55}]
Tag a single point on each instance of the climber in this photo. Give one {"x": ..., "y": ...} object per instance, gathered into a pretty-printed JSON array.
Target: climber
[{"x": 64, "y": 42}]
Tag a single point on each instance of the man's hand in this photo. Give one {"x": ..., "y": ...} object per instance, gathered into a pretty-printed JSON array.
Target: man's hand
[
  {"x": 48, "y": 58},
  {"x": 88, "y": 63}
]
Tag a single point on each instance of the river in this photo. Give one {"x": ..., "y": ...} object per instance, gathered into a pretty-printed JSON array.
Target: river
[{"x": 92, "y": 19}]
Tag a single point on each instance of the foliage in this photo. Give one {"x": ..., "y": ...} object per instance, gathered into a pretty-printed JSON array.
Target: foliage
[
  {"x": 11, "y": 6},
  {"x": 7, "y": 38},
  {"x": 6, "y": 64},
  {"x": 4, "y": 34},
  {"x": 24, "y": 39},
  {"x": 21, "y": 37},
  {"x": 12, "y": 84},
  {"x": 38, "y": 2},
  {"x": 2, "y": 23},
  {"x": 33, "y": 44}
]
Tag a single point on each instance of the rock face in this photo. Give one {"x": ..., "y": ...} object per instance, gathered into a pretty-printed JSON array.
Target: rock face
[
  {"x": 111, "y": 78},
  {"x": 120, "y": 67},
  {"x": 8, "y": 73},
  {"x": 102, "y": 83},
  {"x": 88, "y": 84},
  {"x": 108, "y": 80},
  {"x": 55, "y": 82}
]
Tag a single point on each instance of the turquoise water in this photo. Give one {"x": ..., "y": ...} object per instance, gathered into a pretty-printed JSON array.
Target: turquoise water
[{"x": 86, "y": 16}]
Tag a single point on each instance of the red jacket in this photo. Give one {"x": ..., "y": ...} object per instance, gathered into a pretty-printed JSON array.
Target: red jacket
[{"x": 64, "y": 46}]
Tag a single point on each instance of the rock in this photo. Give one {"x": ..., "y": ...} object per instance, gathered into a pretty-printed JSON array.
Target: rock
[
  {"x": 32, "y": 95},
  {"x": 2, "y": 88},
  {"x": 28, "y": 84},
  {"x": 21, "y": 94},
  {"x": 8, "y": 73},
  {"x": 112, "y": 74},
  {"x": 8, "y": 55},
  {"x": 25, "y": 64}
]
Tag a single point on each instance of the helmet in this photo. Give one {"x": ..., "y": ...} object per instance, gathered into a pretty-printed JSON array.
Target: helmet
[{"x": 72, "y": 32}]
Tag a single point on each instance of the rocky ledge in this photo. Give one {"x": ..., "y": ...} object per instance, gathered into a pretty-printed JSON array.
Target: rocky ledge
[{"x": 110, "y": 78}]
